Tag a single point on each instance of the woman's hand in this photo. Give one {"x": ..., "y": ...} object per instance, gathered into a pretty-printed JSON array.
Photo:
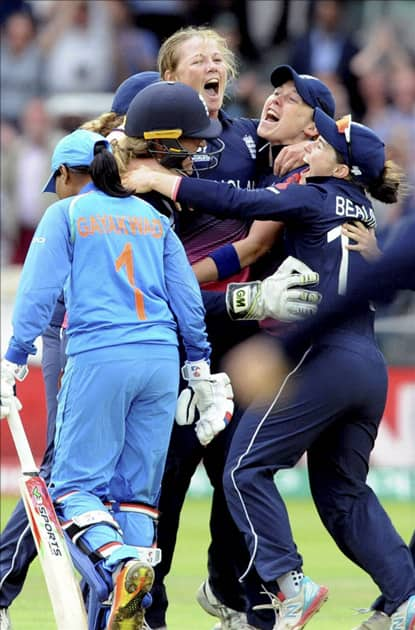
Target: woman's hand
[
  {"x": 365, "y": 238},
  {"x": 144, "y": 179},
  {"x": 139, "y": 180},
  {"x": 289, "y": 158}
]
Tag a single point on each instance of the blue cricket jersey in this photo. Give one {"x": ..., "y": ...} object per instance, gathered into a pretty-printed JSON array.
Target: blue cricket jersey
[
  {"x": 125, "y": 275},
  {"x": 313, "y": 215}
]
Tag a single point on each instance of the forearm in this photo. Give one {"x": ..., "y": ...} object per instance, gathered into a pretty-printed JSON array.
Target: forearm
[
  {"x": 205, "y": 270},
  {"x": 164, "y": 183},
  {"x": 245, "y": 253}
]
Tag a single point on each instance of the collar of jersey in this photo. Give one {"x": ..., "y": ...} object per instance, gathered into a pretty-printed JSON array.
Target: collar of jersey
[
  {"x": 224, "y": 117},
  {"x": 323, "y": 178},
  {"x": 88, "y": 188}
]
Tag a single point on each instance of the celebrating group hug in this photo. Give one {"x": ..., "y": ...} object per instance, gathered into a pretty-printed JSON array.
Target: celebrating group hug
[{"x": 204, "y": 289}]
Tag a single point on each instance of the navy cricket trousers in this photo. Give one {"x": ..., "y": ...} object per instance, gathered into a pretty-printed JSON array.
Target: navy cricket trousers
[{"x": 330, "y": 407}]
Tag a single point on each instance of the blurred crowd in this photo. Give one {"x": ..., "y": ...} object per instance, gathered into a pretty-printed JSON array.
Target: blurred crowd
[{"x": 61, "y": 60}]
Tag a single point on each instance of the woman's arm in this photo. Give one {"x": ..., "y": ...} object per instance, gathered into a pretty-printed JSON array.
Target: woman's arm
[
  {"x": 260, "y": 239},
  {"x": 47, "y": 265},
  {"x": 224, "y": 200}
]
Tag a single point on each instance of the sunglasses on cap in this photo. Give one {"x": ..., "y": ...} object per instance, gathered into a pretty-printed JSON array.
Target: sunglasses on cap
[{"x": 344, "y": 126}]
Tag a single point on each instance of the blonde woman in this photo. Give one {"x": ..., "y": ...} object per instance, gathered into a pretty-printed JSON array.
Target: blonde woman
[{"x": 221, "y": 251}]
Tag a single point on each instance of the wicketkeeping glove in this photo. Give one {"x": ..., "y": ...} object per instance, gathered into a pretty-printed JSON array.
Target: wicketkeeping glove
[
  {"x": 211, "y": 395},
  {"x": 279, "y": 296},
  {"x": 9, "y": 373}
]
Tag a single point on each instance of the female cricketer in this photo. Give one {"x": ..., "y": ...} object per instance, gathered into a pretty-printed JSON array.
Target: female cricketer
[
  {"x": 221, "y": 251},
  {"x": 116, "y": 409}
]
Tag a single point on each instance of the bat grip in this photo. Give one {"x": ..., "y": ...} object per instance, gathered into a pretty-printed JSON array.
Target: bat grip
[{"x": 21, "y": 443}]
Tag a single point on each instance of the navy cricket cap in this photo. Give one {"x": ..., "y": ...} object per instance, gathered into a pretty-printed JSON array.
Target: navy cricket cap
[
  {"x": 171, "y": 107},
  {"x": 362, "y": 150},
  {"x": 313, "y": 91},
  {"x": 129, "y": 88},
  {"x": 75, "y": 149}
]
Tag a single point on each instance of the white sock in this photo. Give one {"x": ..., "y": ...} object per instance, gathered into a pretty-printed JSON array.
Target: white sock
[{"x": 290, "y": 583}]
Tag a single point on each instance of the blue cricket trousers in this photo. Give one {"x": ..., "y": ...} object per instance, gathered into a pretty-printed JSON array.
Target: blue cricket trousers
[{"x": 115, "y": 415}]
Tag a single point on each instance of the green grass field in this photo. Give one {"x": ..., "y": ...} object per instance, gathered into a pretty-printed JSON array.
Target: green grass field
[{"x": 349, "y": 586}]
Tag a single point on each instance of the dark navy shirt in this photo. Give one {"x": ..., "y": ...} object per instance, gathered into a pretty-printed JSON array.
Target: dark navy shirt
[
  {"x": 380, "y": 281},
  {"x": 313, "y": 216},
  {"x": 201, "y": 233}
]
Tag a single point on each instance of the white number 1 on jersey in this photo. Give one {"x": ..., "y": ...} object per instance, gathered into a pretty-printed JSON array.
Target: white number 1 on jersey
[{"x": 336, "y": 232}]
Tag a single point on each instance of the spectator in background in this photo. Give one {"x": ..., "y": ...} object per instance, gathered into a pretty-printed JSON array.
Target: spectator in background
[
  {"x": 385, "y": 67},
  {"x": 7, "y": 7},
  {"x": 28, "y": 157},
  {"x": 398, "y": 119},
  {"x": 372, "y": 87},
  {"x": 326, "y": 49},
  {"x": 7, "y": 222},
  {"x": 21, "y": 65},
  {"x": 163, "y": 17},
  {"x": 136, "y": 49},
  {"x": 78, "y": 45},
  {"x": 384, "y": 48}
]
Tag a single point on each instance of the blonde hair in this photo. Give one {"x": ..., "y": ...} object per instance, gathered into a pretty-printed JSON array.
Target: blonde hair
[
  {"x": 104, "y": 124},
  {"x": 126, "y": 149},
  {"x": 168, "y": 57},
  {"x": 390, "y": 185}
]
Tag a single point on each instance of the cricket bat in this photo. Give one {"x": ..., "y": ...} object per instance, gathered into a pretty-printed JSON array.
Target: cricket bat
[{"x": 63, "y": 588}]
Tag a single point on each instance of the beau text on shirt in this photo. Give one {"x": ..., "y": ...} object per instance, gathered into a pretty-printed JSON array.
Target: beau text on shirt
[{"x": 347, "y": 208}]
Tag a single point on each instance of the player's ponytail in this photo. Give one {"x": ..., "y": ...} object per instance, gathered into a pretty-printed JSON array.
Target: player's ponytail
[
  {"x": 104, "y": 172},
  {"x": 390, "y": 185},
  {"x": 104, "y": 124},
  {"x": 126, "y": 149}
]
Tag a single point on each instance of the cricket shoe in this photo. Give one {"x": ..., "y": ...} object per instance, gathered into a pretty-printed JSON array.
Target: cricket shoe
[
  {"x": 295, "y": 612},
  {"x": 404, "y": 617},
  {"x": 378, "y": 621},
  {"x": 5, "y": 623},
  {"x": 230, "y": 619},
  {"x": 131, "y": 596}
]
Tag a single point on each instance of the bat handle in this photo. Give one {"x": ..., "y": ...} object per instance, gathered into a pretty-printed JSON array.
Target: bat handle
[{"x": 21, "y": 443}]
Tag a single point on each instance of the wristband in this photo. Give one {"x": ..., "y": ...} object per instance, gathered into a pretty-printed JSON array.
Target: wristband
[
  {"x": 193, "y": 370},
  {"x": 175, "y": 188},
  {"x": 226, "y": 260}
]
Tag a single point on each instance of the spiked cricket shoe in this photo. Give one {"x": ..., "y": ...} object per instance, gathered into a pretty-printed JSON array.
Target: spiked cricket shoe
[
  {"x": 295, "y": 612},
  {"x": 5, "y": 623},
  {"x": 230, "y": 619},
  {"x": 404, "y": 617},
  {"x": 132, "y": 584}
]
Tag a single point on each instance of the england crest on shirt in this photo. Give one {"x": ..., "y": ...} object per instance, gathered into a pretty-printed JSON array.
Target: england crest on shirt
[{"x": 250, "y": 145}]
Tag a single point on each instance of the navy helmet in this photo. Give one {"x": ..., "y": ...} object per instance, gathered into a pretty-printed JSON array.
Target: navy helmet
[
  {"x": 171, "y": 107},
  {"x": 166, "y": 112}
]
